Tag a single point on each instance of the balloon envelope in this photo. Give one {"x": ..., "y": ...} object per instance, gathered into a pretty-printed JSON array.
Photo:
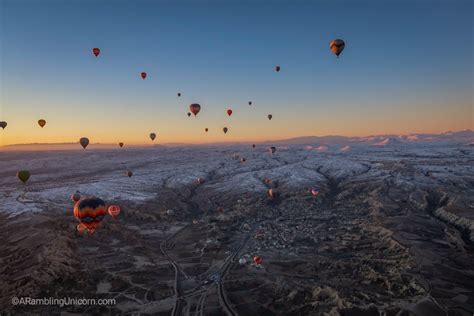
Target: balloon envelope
[
  {"x": 3, "y": 124},
  {"x": 75, "y": 197},
  {"x": 90, "y": 212},
  {"x": 179, "y": 94},
  {"x": 129, "y": 174},
  {"x": 206, "y": 129},
  {"x": 23, "y": 175},
  {"x": 229, "y": 112},
  {"x": 269, "y": 116},
  {"x": 42, "y": 123},
  {"x": 152, "y": 136},
  {"x": 114, "y": 210},
  {"x": 250, "y": 102},
  {"x": 337, "y": 46},
  {"x": 195, "y": 108},
  {"x": 225, "y": 129},
  {"x": 277, "y": 68},
  {"x": 84, "y": 141},
  {"x": 257, "y": 259},
  {"x": 272, "y": 149},
  {"x": 143, "y": 75},
  {"x": 121, "y": 145},
  {"x": 96, "y": 51}
]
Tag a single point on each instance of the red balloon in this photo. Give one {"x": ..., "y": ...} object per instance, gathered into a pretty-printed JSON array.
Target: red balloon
[
  {"x": 143, "y": 74},
  {"x": 229, "y": 112},
  {"x": 96, "y": 51},
  {"x": 258, "y": 260},
  {"x": 195, "y": 108},
  {"x": 114, "y": 211}
]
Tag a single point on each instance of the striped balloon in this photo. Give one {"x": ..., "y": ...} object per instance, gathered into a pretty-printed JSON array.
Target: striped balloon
[{"x": 90, "y": 212}]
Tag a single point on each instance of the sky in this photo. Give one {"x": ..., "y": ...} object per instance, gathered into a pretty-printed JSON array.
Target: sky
[{"x": 407, "y": 68}]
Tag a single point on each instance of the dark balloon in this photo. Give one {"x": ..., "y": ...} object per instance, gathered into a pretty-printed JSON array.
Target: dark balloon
[
  {"x": 90, "y": 212},
  {"x": 143, "y": 75},
  {"x": 206, "y": 129},
  {"x": 250, "y": 102},
  {"x": 179, "y": 94},
  {"x": 23, "y": 175},
  {"x": 42, "y": 123},
  {"x": 337, "y": 46},
  {"x": 84, "y": 141},
  {"x": 200, "y": 180},
  {"x": 129, "y": 174},
  {"x": 96, "y": 51},
  {"x": 152, "y": 136},
  {"x": 195, "y": 108},
  {"x": 3, "y": 124},
  {"x": 243, "y": 159},
  {"x": 229, "y": 112},
  {"x": 269, "y": 116},
  {"x": 277, "y": 68},
  {"x": 121, "y": 145},
  {"x": 75, "y": 197},
  {"x": 189, "y": 114},
  {"x": 225, "y": 129},
  {"x": 272, "y": 149},
  {"x": 253, "y": 146}
]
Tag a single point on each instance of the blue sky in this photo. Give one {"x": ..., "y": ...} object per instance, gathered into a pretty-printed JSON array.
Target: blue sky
[{"x": 407, "y": 67}]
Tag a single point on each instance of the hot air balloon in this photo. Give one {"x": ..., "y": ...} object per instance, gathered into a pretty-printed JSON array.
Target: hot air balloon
[
  {"x": 75, "y": 197},
  {"x": 225, "y": 129},
  {"x": 84, "y": 141},
  {"x": 258, "y": 260},
  {"x": 90, "y": 212},
  {"x": 250, "y": 102},
  {"x": 3, "y": 124},
  {"x": 114, "y": 211},
  {"x": 195, "y": 108},
  {"x": 229, "y": 112},
  {"x": 121, "y": 145},
  {"x": 129, "y": 174},
  {"x": 143, "y": 75},
  {"x": 272, "y": 149},
  {"x": 314, "y": 192},
  {"x": 96, "y": 51},
  {"x": 179, "y": 94},
  {"x": 277, "y": 68},
  {"x": 337, "y": 46},
  {"x": 189, "y": 114},
  {"x": 152, "y": 136},
  {"x": 42, "y": 123},
  {"x": 23, "y": 175},
  {"x": 243, "y": 159},
  {"x": 253, "y": 146},
  {"x": 269, "y": 116},
  {"x": 206, "y": 129},
  {"x": 200, "y": 180}
]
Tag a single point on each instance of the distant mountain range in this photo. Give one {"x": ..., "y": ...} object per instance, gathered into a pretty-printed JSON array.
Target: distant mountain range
[{"x": 320, "y": 143}]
